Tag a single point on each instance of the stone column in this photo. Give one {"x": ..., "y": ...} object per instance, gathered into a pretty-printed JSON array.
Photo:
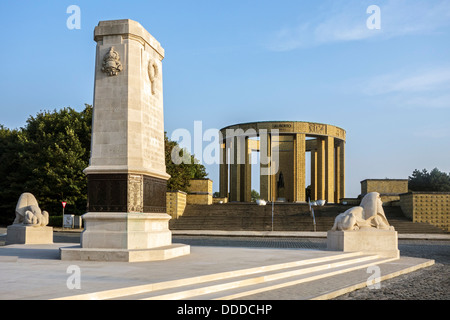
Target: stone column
[
  {"x": 223, "y": 190},
  {"x": 336, "y": 171},
  {"x": 247, "y": 187},
  {"x": 329, "y": 167},
  {"x": 340, "y": 170},
  {"x": 234, "y": 173},
  {"x": 320, "y": 169},
  {"x": 127, "y": 219},
  {"x": 299, "y": 168},
  {"x": 237, "y": 168},
  {"x": 265, "y": 180},
  {"x": 313, "y": 174}
]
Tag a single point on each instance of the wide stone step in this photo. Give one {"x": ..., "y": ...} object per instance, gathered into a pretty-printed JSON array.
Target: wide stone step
[
  {"x": 337, "y": 281},
  {"x": 239, "y": 283},
  {"x": 286, "y": 217},
  {"x": 237, "y": 273},
  {"x": 315, "y": 277},
  {"x": 238, "y": 287}
]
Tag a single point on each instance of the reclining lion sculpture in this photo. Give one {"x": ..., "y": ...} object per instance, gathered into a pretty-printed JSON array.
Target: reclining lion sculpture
[
  {"x": 28, "y": 212},
  {"x": 369, "y": 214}
]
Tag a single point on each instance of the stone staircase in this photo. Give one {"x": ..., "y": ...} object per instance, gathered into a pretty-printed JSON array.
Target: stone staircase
[
  {"x": 248, "y": 282},
  {"x": 287, "y": 217},
  {"x": 319, "y": 276}
]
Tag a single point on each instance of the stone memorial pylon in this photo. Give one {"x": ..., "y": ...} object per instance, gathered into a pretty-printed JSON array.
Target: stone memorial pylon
[{"x": 127, "y": 219}]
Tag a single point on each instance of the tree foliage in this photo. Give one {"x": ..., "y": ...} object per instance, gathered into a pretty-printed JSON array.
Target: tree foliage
[
  {"x": 182, "y": 173},
  {"x": 429, "y": 181},
  {"x": 10, "y": 169},
  {"x": 254, "y": 195},
  {"x": 47, "y": 158}
]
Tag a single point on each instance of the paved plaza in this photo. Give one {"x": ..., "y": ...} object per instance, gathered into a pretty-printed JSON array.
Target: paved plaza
[
  {"x": 432, "y": 283},
  {"x": 35, "y": 272}
]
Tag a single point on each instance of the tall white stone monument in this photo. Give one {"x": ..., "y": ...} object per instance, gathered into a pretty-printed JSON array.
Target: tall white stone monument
[{"x": 127, "y": 219}]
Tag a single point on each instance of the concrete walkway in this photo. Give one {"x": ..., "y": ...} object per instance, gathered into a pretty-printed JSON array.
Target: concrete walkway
[
  {"x": 218, "y": 272},
  {"x": 36, "y": 272},
  {"x": 277, "y": 234},
  {"x": 297, "y": 234}
]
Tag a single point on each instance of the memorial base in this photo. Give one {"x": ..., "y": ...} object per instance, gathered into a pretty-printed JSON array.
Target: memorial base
[
  {"x": 371, "y": 241},
  {"x": 130, "y": 237},
  {"x": 124, "y": 255},
  {"x": 22, "y": 234}
]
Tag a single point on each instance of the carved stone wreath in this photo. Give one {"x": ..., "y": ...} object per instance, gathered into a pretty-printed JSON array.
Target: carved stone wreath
[
  {"x": 111, "y": 63},
  {"x": 153, "y": 72}
]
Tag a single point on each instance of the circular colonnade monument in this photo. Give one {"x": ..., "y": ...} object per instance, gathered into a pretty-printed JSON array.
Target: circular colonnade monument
[{"x": 283, "y": 146}]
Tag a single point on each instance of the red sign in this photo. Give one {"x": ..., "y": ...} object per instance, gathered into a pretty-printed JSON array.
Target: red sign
[{"x": 64, "y": 204}]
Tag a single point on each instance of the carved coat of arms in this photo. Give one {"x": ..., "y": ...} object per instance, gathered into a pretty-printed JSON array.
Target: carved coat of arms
[{"x": 111, "y": 63}]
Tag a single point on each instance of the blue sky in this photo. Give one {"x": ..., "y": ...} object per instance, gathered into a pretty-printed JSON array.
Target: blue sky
[{"x": 232, "y": 61}]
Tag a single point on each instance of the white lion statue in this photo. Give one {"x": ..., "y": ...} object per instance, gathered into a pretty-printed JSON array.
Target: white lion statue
[
  {"x": 29, "y": 213},
  {"x": 369, "y": 214}
]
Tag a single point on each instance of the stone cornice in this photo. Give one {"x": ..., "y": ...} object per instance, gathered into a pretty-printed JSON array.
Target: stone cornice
[
  {"x": 291, "y": 127},
  {"x": 128, "y": 29}
]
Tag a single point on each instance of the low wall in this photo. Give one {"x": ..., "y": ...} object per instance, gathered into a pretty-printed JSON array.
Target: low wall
[
  {"x": 389, "y": 189},
  {"x": 429, "y": 207},
  {"x": 176, "y": 203},
  {"x": 219, "y": 200},
  {"x": 201, "y": 186},
  {"x": 205, "y": 199},
  {"x": 384, "y": 186},
  {"x": 350, "y": 201},
  {"x": 200, "y": 192},
  {"x": 390, "y": 199}
]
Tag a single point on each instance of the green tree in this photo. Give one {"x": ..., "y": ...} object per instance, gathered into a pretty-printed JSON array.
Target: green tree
[
  {"x": 11, "y": 142},
  {"x": 47, "y": 158},
  {"x": 429, "y": 181},
  {"x": 182, "y": 173},
  {"x": 56, "y": 151},
  {"x": 254, "y": 195}
]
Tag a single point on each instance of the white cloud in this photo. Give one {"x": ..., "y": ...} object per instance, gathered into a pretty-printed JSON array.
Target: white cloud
[
  {"x": 347, "y": 24},
  {"x": 346, "y": 21},
  {"x": 427, "y": 88},
  {"x": 419, "y": 81}
]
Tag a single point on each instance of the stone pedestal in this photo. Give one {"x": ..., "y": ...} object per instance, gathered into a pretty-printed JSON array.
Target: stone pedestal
[
  {"x": 127, "y": 237},
  {"x": 125, "y": 255},
  {"x": 22, "y": 234},
  {"x": 371, "y": 240},
  {"x": 126, "y": 230},
  {"x": 127, "y": 219}
]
